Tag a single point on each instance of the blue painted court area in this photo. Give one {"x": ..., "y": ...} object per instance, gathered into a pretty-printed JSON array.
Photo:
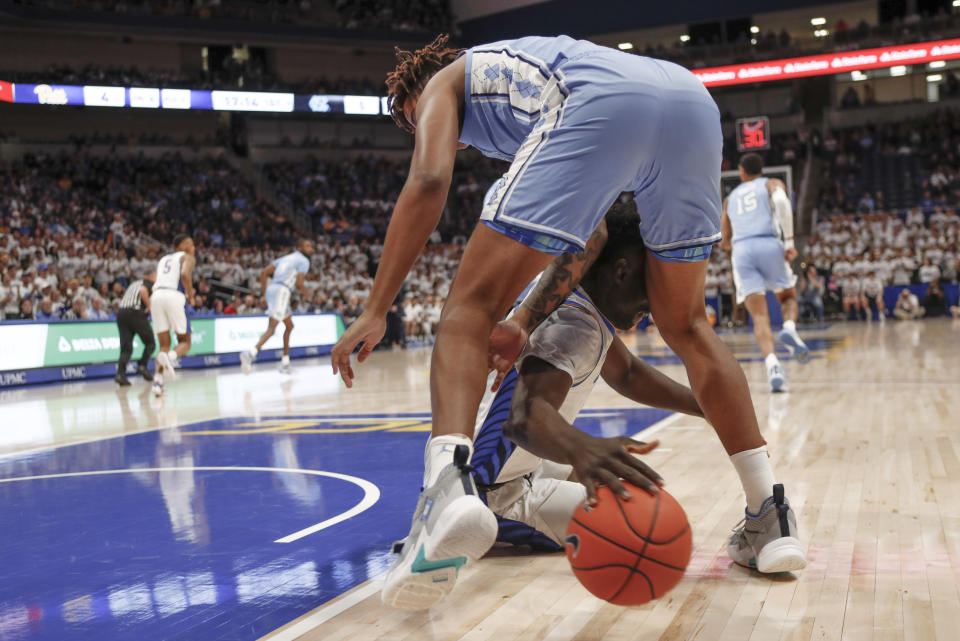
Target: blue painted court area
[{"x": 226, "y": 529}]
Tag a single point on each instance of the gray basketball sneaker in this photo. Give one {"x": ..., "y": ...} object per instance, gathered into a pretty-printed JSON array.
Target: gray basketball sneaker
[
  {"x": 451, "y": 526},
  {"x": 768, "y": 541}
]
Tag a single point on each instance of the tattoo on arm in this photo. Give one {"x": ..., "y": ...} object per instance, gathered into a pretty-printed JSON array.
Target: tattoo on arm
[{"x": 561, "y": 277}]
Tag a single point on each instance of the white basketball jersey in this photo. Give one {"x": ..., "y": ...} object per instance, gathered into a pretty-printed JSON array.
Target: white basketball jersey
[
  {"x": 575, "y": 339},
  {"x": 168, "y": 271}
]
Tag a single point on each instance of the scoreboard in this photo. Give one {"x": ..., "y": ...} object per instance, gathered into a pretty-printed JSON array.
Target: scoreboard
[{"x": 753, "y": 134}]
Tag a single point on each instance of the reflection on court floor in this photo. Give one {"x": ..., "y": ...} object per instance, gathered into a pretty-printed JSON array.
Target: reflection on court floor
[{"x": 221, "y": 529}]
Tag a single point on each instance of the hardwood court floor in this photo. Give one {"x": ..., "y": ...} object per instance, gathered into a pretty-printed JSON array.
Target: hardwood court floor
[{"x": 867, "y": 443}]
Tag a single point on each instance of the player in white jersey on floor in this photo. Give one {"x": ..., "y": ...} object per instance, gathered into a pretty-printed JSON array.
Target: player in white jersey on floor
[
  {"x": 287, "y": 272},
  {"x": 580, "y": 124},
  {"x": 525, "y": 443},
  {"x": 758, "y": 222},
  {"x": 172, "y": 292}
]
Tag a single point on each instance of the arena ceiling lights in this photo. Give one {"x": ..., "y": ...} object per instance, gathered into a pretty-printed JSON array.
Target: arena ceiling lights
[{"x": 830, "y": 63}]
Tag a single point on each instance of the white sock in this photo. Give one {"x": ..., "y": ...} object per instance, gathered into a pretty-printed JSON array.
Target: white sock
[
  {"x": 439, "y": 454},
  {"x": 285, "y": 360},
  {"x": 756, "y": 476},
  {"x": 254, "y": 352},
  {"x": 771, "y": 360},
  {"x": 158, "y": 379},
  {"x": 173, "y": 355},
  {"x": 790, "y": 326}
]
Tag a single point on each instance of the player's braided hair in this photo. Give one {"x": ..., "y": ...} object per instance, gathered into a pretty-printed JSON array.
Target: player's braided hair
[{"x": 414, "y": 70}]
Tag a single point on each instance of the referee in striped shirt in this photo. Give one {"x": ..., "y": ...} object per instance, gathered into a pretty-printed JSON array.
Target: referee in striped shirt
[{"x": 132, "y": 319}]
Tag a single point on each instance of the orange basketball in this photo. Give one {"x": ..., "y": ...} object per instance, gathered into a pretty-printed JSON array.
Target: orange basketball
[{"x": 629, "y": 552}]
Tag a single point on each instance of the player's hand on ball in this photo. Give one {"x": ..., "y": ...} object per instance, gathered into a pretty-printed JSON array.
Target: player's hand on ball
[
  {"x": 604, "y": 461},
  {"x": 369, "y": 331},
  {"x": 506, "y": 342}
]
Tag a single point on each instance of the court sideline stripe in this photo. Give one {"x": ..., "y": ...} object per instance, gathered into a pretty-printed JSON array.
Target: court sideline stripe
[
  {"x": 371, "y": 493},
  {"x": 324, "y": 613}
]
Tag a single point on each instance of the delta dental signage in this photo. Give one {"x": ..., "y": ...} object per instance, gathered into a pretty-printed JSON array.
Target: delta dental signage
[
  {"x": 42, "y": 345},
  {"x": 831, "y": 63}
]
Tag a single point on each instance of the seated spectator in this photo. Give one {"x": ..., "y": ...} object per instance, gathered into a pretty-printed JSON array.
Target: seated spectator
[
  {"x": 98, "y": 312},
  {"x": 46, "y": 312},
  {"x": 26, "y": 310},
  {"x": 78, "y": 311},
  {"x": 907, "y": 306},
  {"x": 935, "y": 302},
  {"x": 352, "y": 310}
]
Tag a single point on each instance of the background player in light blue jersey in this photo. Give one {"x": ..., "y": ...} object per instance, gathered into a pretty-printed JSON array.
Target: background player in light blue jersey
[
  {"x": 580, "y": 124},
  {"x": 758, "y": 223},
  {"x": 287, "y": 272}
]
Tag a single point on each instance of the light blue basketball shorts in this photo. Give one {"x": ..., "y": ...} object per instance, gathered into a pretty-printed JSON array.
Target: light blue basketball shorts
[
  {"x": 278, "y": 301},
  {"x": 652, "y": 130},
  {"x": 759, "y": 265}
]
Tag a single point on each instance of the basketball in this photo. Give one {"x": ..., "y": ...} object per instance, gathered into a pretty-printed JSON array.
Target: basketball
[{"x": 629, "y": 552}]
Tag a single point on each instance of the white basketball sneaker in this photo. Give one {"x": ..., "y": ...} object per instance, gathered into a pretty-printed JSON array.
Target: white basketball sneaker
[
  {"x": 450, "y": 527},
  {"x": 169, "y": 374},
  {"x": 246, "y": 361},
  {"x": 768, "y": 541},
  {"x": 778, "y": 380},
  {"x": 795, "y": 345}
]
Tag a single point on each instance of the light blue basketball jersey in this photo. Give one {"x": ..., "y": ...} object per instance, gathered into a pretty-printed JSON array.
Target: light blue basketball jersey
[
  {"x": 509, "y": 84},
  {"x": 287, "y": 268},
  {"x": 749, "y": 211}
]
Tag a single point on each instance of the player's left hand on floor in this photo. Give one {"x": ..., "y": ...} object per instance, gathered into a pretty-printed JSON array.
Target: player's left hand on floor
[{"x": 366, "y": 330}]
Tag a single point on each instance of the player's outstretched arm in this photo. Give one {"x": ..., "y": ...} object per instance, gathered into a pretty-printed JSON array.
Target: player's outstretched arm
[
  {"x": 264, "y": 277},
  {"x": 186, "y": 276},
  {"x": 536, "y": 425},
  {"x": 415, "y": 216},
  {"x": 726, "y": 229},
  {"x": 301, "y": 287},
  {"x": 629, "y": 376},
  {"x": 559, "y": 279}
]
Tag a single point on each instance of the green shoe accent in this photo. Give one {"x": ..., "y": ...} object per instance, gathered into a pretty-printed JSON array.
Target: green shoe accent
[
  {"x": 753, "y": 561},
  {"x": 421, "y": 564}
]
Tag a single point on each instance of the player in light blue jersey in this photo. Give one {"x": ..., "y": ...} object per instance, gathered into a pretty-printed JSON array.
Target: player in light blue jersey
[
  {"x": 287, "y": 272},
  {"x": 580, "y": 124},
  {"x": 758, "y": 224}
]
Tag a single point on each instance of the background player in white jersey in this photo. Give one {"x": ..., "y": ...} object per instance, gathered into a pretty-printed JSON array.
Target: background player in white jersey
[
  {"x": 758, "y": 222},
  {"x": 287, "y": 272},
  {"x": 580, "y": 124},
  {"x": 872, "y": 296},
  {"x": 172, "y": 292}
]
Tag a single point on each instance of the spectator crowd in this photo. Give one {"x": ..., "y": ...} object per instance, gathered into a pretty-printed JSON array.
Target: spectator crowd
[{"x": 75, "y": 229}]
